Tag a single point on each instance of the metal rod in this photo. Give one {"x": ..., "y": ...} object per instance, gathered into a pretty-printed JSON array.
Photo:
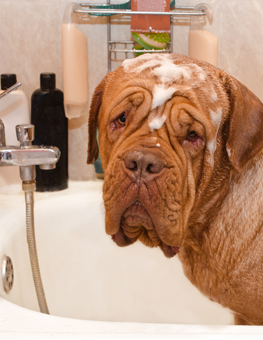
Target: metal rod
[
  {"x": 102, "y": 4},
  {"x": 2, "y": 134},
  {"x": 121, "y": 42},
  {"x": 183, "y": 7},
  {"x": 171, "y": 34},
  {"x": 129, "y": 12},
  {"x": 140, "y": 51},
  {"x": 31, "y": 240},
  {"x": 108, "y": 39},
  {"x": 10, "y": 89},
  {"x": 114, "y": 49}
]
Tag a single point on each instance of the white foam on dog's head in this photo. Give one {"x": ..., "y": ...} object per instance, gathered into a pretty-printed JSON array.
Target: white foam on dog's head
[
  {"x": 136, "y": 65},
  {"x": 127, "y": 63},
  {"x": 198, "y": 71},
  {"x": 211, "y": 147},
  {"x": 157, "y": 122},
  {"x": 164, "y": 68},
  {"x": 161, "y": 94},
  {"x": 213, "y": 95},
  {"x": 228, "y": 150},
  {"x": 216, "y": 118},
  {"x": 168, "y": 74}
]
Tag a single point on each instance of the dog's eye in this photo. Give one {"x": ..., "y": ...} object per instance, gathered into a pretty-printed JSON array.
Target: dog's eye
[
  {"x": 121, "y": 120},
  {"x": 192, "y": 138},
  {"x": 192, "y": 134}
]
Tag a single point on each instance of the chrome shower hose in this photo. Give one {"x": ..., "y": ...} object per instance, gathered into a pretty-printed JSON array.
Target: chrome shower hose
[{"x": 30, "y": 228}]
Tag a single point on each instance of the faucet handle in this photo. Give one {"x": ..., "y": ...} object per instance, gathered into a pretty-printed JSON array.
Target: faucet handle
[{"x": 25, "y": 134}]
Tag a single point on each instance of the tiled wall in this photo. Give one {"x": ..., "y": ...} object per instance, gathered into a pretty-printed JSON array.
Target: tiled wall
[{"x": 30, "y": 43}]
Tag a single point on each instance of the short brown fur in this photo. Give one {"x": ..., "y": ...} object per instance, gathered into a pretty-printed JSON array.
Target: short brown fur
[{"x": 200, "y": 193}]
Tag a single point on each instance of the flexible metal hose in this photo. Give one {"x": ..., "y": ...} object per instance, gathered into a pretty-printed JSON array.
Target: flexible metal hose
[{"x": 30, "y": 227}]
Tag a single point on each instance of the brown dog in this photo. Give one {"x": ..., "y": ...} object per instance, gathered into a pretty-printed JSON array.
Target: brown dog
[{"x": 180, "y": 144}]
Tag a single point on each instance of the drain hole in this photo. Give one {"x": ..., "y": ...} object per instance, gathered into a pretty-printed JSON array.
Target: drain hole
[{"x": 7, "y": 273}]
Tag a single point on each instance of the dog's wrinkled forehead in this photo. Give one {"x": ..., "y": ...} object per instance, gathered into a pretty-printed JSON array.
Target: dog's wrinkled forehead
[
  {"x": 164, "y": 68},
  {"x": 167, "y": 74},
  {"x": 176, "y": 76}
]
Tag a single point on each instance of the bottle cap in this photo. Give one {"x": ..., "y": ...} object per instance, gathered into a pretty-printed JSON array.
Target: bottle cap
[
  {"x": 7, "y": 80},
  {"x": 47, "y": 81}
]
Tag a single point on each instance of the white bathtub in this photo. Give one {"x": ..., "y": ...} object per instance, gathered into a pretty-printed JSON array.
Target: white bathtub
[{"x": 132, "y": 292}]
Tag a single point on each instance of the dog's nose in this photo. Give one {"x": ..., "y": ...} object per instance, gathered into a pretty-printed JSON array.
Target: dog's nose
[{"x": 143, "y": 164}]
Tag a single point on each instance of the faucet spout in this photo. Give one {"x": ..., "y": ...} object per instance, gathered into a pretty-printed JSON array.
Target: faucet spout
[
  {"x": 33, "y": 155},
  {"x": 27, "y": 155}
]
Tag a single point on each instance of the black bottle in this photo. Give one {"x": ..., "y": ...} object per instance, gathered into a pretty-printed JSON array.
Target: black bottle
[{"x": 51, "y": 129}]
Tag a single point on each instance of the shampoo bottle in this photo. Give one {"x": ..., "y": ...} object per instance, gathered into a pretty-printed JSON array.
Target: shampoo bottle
[
  {"x": 51, "y": 129},
  {"x": 74, "y": 66},
  {"x": 14, "y": 110},
  {"x": 203, "y": 45}
]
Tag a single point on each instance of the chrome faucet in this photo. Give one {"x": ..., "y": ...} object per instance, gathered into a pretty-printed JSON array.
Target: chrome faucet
[{"x": 27, "y": 155}]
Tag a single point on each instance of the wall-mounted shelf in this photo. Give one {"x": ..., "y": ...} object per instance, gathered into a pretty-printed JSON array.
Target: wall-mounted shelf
[
  {"x": 92, "y": 9},
  {"x": 126, "y": 47}
]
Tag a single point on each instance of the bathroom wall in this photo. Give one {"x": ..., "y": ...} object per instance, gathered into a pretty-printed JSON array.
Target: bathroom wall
[{"x": 30, "y": 43}]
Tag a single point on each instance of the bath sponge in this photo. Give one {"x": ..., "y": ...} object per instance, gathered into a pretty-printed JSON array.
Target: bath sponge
[{"x": 149, "y": 41}]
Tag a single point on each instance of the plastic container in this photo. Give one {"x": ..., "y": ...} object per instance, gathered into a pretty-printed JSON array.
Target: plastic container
[
  {"x": 150, "y": 23},
  {"x": 14, "y": 110},
  {"x": 51, "y": 129},
  {"x": 203, "y": 45},
  {"x": 74, "y": 66}
]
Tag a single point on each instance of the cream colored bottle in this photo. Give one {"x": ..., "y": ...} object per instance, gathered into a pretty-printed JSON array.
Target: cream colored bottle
[
  {"x": 74, "y": 67},
  {"x": 203, "y": 45}
]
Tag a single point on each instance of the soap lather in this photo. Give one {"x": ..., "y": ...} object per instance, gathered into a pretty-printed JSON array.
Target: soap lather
[{"x": 51, "y": 128}]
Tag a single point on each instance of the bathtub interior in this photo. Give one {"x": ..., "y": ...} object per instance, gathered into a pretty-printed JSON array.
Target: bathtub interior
[{"x": 85, "y": 275}]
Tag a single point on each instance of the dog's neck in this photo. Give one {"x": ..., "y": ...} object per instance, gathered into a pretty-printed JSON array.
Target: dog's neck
[
  {"x": 209, "y": 203},
  {"x": 215, "y": 246}
]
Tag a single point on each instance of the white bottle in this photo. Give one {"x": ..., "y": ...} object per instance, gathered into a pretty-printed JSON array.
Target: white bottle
[
  {"x": 203, "y": 45},
  {"x": 74, "y": 66},
  {"x": 14, "y": 110}
]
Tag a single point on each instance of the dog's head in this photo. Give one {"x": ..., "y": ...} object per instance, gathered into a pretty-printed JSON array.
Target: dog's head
[{"x": 167, "y": 125}]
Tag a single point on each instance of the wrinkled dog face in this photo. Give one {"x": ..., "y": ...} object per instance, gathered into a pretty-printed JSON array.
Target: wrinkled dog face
[{"x": 159, "y": 123}]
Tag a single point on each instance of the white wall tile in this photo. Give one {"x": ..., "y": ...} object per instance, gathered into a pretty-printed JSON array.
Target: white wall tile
[{"x": 30, "y": 43}]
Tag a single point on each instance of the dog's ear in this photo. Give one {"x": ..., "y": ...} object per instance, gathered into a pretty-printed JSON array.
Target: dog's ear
[
  {"x": 246, "y": 123},
  {"x": 93, "y": 149}
]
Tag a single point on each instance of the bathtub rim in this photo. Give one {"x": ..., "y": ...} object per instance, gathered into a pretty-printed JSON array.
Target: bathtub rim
[{"x": 30, "y": 324}]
